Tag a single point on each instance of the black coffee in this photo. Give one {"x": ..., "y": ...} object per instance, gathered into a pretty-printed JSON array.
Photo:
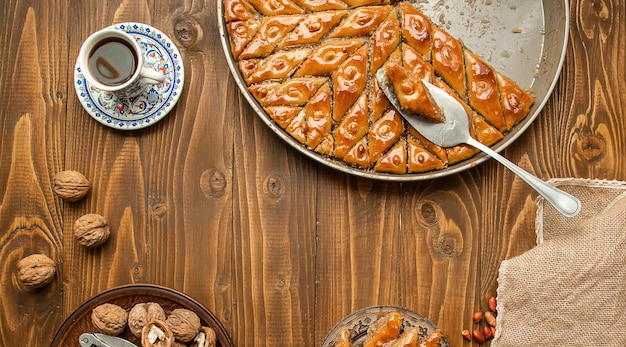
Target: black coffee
[{"x": 112, "y": 61}]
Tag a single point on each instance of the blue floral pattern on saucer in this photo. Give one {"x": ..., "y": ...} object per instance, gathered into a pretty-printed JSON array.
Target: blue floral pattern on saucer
[{"x": 155, "y": 102}]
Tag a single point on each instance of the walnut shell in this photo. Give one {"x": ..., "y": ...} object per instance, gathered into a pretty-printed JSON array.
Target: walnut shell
[
  {"x": 109, "y": 319},
  {"x": 70, "y": 185},
  {"x": 205, "y": 338},
  {"x": 36, "y": 271},
  {"x": 143, "y": 313},
  {"x": 157, "y": 334},
  {"x": 185, "y": 324},
  {"x": 91, "y": 230}
]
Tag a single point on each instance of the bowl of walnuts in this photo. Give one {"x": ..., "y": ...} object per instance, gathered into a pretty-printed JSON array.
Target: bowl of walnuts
[{"x": 146, "y": 315}]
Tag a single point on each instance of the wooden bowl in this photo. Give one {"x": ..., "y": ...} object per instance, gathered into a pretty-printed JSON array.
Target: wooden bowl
[{"x": 127, "y": 296}]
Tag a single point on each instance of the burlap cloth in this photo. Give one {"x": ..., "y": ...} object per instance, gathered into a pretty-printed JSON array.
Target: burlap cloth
[{"x": 570, "y": 290}]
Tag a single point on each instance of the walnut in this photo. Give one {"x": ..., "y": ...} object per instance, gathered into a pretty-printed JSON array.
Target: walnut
[
  {"x": 70, "y": 185},
  {"x": 36, "y": 271},
  {"x": 157, "y": 334},
  {"x": 185, "y": 324},
  {"x": 143, "y": 313},
  {"x": 205, "y": 338},
  {"x": 91, "y": 230},
  {"x": 109, "y": 319}
]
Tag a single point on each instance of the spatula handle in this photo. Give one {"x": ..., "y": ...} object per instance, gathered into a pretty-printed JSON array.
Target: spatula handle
[{"x": 565, "y": 203}]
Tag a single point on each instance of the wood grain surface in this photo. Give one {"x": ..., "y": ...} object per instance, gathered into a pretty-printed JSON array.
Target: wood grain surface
[{"x": 210, "y": 202}]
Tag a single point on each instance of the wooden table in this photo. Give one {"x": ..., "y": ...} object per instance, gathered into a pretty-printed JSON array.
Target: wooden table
[{"x": 212, "y": 203}]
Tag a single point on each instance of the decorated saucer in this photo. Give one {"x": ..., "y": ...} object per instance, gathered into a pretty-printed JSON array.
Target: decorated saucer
[{"x": 155, "y": 102}]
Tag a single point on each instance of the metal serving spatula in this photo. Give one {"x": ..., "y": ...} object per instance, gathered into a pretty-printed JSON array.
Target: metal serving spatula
[{"x": 455, "y": 131}]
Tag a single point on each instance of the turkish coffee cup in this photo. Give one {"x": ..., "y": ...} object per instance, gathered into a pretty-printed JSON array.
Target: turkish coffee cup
[{"x": 112, "y": 61}]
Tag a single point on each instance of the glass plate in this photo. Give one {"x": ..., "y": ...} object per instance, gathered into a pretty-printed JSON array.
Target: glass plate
[{"x": 359, "y": 321}]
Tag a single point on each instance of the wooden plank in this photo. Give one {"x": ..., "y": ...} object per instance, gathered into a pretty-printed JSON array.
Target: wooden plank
[
  {"x": 358, "y": 250},
  {"x": 592, "y": 103},
  {"x": 114, "y": 163},
  {"x": 274, "y": 237},
  {"x": 168, "y": 200},
  {"x": 441, "y": 249},
  {"x": 32, "y": 83},
  {"x": 199, "y": 180}
]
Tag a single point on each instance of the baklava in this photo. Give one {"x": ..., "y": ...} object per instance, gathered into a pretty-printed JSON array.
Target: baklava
[{"x": 311, "y": 65}]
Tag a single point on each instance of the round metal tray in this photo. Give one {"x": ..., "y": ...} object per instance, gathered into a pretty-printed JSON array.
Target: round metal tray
[{"x": 525, "y": 40}]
